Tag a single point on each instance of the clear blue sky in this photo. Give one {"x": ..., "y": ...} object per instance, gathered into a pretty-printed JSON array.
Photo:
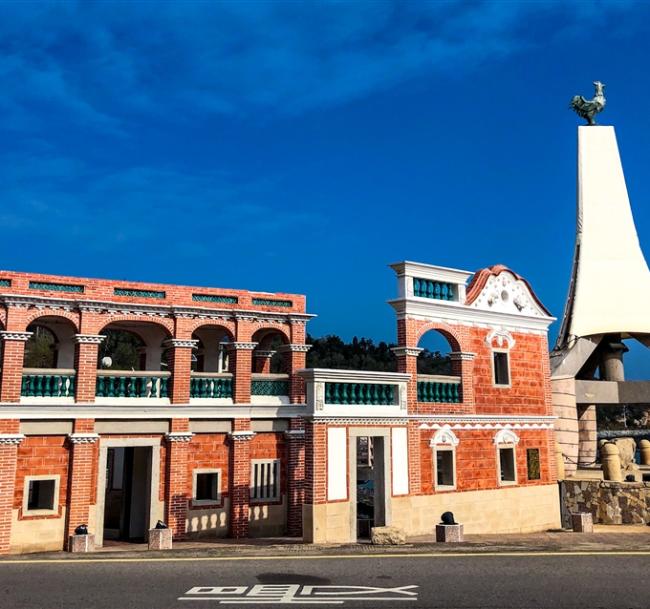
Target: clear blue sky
[{"x": 302, "y": 147}]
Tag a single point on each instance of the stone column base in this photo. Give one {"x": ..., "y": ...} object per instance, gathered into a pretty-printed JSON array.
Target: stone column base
[
  {"x": 582, "y": 523},
  {"x": 81, "y": 543},
  {"x": 449, "y": 533},
  {"x": 160, "y": 539}
]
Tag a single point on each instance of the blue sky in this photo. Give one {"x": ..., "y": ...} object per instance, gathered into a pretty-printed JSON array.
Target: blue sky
[{"x": 302, "y": 147}]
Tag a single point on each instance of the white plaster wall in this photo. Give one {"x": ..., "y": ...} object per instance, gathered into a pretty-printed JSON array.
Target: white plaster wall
[
  {"x": 400, "y": 461},
  {"x": 337, "y": 466}
]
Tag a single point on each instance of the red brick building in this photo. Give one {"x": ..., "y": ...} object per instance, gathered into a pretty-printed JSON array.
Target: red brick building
[{"x": 124, "y": 403}]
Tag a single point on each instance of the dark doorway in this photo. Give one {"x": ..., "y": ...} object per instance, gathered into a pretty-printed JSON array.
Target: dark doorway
[
  {"x": 128, "y": 493},
  {"x": 370, "y": 485}
]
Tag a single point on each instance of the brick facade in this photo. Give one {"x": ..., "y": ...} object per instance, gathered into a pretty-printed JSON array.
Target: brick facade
[{"x": 221, "y": 420}]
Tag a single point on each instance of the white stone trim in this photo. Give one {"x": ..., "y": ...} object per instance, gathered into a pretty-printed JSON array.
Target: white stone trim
[
  {"x": 181, "y": 343},
  {"x": 83, "y": 438},
  {"x": 240, "y": 436},
  {"x": 448, "y": 448},
  {"x": 294, "y": 434},
  {"x": 506, "y": 436},
  {"x": 294, "y": 348},
  {"x": 17, "y": 336},
  {"x": 208, "y": 470},
  {"x": 179, "y": 436},
  {"x": 461, "y": 356},
  {"x": 361, "y": 420},
  {"x": 89, "y": 339},
  {"x": 444, "y": 436},
  {"x": 264, "y": 353},
  {"x": 501, "y": 336},
  {"x": 470, "y": 426},
  {"x": 412, "y": 351},
  {"x": 8, "y": 439},
  {"x": 54, "y": 510},
  {"x": 240, "y": 346}
]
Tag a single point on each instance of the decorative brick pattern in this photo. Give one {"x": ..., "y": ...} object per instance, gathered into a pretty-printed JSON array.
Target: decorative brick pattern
[
  {"x": 177, "y": 490},
  {"x": 8, "y": 464},
  {"x": 240, "y": 468}
]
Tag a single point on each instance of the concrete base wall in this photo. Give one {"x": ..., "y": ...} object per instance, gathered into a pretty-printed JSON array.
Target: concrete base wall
[
  {"x": 523, "y": 509},
  {"x": 37, "y": 534},
  {"x": 209, "y": 522},
  {"x": 268, "y": 520},
  {"x": 327, "y": 523}
]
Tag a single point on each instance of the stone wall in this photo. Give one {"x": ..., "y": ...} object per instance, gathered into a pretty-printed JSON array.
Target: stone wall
[{"x": 609, "y": 502}]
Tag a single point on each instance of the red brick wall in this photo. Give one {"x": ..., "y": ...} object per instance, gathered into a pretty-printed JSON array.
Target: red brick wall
[
  {"x": 40, "y": 456},
  {"x": 476, "y": 459},
  {"x": 209, "y": 450}
]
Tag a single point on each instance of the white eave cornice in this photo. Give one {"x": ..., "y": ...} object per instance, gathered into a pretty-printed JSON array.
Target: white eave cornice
[
  {"x": 331, "y": 375},
  {"x": 455, "y": 312},
  {"x": 430, "y": 271}
]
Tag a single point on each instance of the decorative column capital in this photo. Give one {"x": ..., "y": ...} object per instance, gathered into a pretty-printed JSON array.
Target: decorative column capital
[
  {"x": 264, "y": 354},
  {"x": 294, "y": 434},
  {"x": 412, "y": 351},
  {"x": 294, "y": 348},
  {"x": 242, "y": 346},
  {"x": 17, "y": 336},
  {"x": 179, "y": 436},
  {"x": 11, "y": 439},
  {"x": 89, "y": 339},
  {"x": 83, "y": 438},
  {"x": 241, "y": 436},
  {"x": 462, "y": 356},
  {"x": 176, "y": 343}
]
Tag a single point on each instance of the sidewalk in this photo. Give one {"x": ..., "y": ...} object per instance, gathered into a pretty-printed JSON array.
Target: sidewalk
[{"x": 604, "y": 539}]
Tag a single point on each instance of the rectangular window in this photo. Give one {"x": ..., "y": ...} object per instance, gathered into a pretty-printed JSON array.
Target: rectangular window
[
  {"x": 41, "y": 494},
  {"x": 501, "y": 368},
  {"x": 207, "y": 486},
  {"x": 445, "y": 474},
  {"x": 265, "y": 480},
  {"x": 532, "y": 463},
  {"x": 507, "y": 471}
]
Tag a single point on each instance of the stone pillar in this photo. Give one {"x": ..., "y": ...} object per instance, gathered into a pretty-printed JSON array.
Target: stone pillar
[
  {"x": 612, "y": 359},
  {"x": 240, "y": 362},
  {"x": 611, "y": 459},
  {"x": 10, "y": 438},
  {"x": 262, "y": 361},
  {"x": 462, "y": 364},
  {"x": 587, "y": 435},
  {"x": 86, "y": 358},
  {"x": 13, "y": 354},
  {"x": 83, "y": 467},
  {"x": 180, "y": 366},
  {"x": 177, "y": 485},
  {"x": 644, "y": 449},
  {"x": 407, "y": 363},
  {"x": 296, "y": 472},
  {"x": 296, "y": 358},
  {"x": 240, "y": 477},
  {"x": 563, "y": 393}
]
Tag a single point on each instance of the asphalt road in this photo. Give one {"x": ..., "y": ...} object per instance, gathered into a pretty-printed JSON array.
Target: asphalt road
[{"x": 492, "y": 581}]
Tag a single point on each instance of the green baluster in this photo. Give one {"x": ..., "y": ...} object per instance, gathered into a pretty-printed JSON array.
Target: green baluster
[
  {"x": 416, "y": 287},
  {"x": 436, "y": 392},
  {"x": 99, "y": 387},
  {"x": 23, "y": 385},
  {"x": 39, "y": 386},
  {"x": 71, "y": 386},
  {"x": 58, "y": 388},
  {"x": 450, "y": 292},
  {"x": 228, "y": 386},
  {"x": 164, "y": 387},
  {"x": 429, "y": 287},
  {"x": 121, "y": 387},
  {"x": 436, "y": 290},
  {"x": 111, "y": 382}
]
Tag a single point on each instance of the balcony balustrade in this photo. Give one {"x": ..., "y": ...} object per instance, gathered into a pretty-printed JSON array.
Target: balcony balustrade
[
  {"x": 439, "y": 389},
  {"x": 132, "y": 384},
  {"x": 47, "y": 383},
  {"x": 360, "y": 393},
  {"x": 270, "y": 384},
  {"x": 210, "y": 385}
]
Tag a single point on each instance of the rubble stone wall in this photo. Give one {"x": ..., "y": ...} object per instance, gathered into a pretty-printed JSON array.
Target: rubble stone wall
[{"x": 609, "y": 502}]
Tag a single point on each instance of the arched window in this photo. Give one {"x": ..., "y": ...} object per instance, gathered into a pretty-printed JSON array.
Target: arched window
[{"x": 41, "y": 348}]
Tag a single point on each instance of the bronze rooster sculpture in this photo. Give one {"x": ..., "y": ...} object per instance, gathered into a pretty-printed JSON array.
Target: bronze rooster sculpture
[{"x": 588, "y": 109}]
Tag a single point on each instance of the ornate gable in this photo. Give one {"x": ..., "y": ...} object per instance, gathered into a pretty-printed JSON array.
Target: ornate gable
[{"x": 501, "y": 290}]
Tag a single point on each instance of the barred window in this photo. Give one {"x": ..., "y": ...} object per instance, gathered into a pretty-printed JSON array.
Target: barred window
[
  {"x": 501, "y": 368},
  {"x": 265, "y": 480}
]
